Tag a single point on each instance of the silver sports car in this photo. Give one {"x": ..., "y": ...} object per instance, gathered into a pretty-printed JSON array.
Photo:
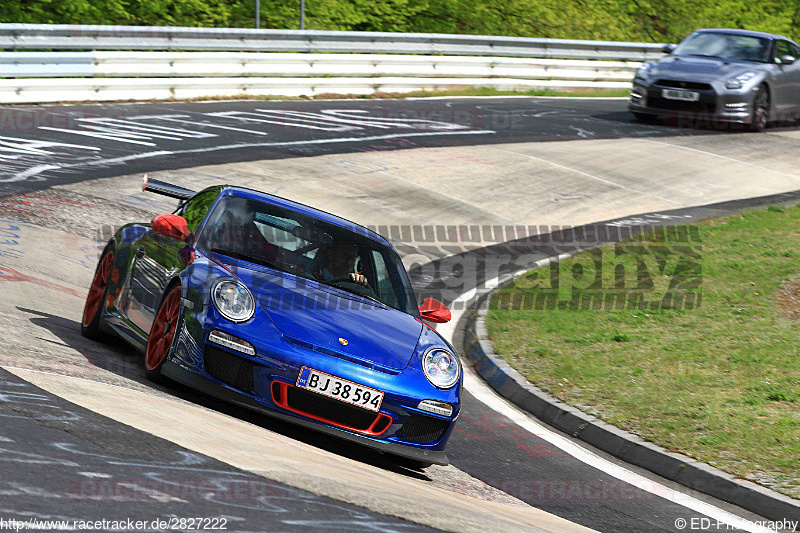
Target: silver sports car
[{"x": 730, "y": 76}]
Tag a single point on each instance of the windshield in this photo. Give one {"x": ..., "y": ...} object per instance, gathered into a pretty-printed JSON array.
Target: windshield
[
  {"x": 725, "y": 46},
  {"x": 289, "y": 241}
]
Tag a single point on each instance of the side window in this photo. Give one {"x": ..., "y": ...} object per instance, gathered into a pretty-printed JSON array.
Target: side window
[
  {"x": 796, "y": 51},
  {"x": 196, "y": 209},
  {"x": 782, "y": 48},
  {"x": 383, "y": 283}
]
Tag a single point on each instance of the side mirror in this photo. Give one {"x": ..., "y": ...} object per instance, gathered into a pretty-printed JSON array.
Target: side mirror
[
  {"x": 435, "y": 311},
  {"x": 172, "y": 226},
  {"x": 669, "y": 48},
  {"x": 786, "y": 59}
]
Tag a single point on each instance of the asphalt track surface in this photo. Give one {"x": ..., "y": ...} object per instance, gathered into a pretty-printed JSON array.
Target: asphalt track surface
[
  {"x": 39, "y": 148},
  {"x": 64, "y": 463},
  {"x": 47, "y": 145}
]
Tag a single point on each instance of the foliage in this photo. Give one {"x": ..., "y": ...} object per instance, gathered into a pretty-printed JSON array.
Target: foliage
[{"x": 624, "y": 20}]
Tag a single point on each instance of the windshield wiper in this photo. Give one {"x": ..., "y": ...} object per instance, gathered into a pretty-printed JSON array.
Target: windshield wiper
[{"x": 248, "y": 257}]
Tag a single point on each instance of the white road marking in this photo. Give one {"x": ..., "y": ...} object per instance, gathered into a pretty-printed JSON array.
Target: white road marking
[
  {"x": 119, "y": 130},
  {"x": 100, "y": 162},
  {"x": 480, "y": 390},
  {"x": 712, "y": 154},
  {"x": 316, "y": 118},
  {"x": 95, "y": 475},
  {"x": 181, "y": 119},
  {"x": 593, "y": 177},
  {"x": 298, "y": 123},
  {"x": 151, "y": 129},
  {"x": 36, "y": 147},
  {"x": 347, "y": 115},
  {"x": 14, "y": 456},
  {"x": 109, "y": 134},
  {"x": 152, "y": 493},
  {"x": 438, "y": 193},
  {"x": 33, "y": 171}
]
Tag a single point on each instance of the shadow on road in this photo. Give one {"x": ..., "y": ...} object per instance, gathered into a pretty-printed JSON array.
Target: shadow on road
[{"x": 115, "y": 356}]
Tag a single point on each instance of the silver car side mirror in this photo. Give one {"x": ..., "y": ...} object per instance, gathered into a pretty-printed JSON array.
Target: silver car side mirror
[
  {"x": 669, "y": 48},
  {"x": 786, "y": 59}
]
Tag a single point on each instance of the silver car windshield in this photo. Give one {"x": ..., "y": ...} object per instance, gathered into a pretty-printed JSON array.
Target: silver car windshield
[{"x": 727, "y": 46}]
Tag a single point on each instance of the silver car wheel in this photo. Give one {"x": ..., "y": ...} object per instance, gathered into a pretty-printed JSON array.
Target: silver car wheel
[{"x": 760, "y": 110}]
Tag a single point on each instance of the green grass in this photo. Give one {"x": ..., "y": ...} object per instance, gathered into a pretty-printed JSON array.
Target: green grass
[{"x": 720, "y": 382}]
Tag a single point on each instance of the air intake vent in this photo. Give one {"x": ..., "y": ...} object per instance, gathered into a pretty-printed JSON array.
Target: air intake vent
[
  {"x": 329, "y": 411},
  {"x": 423, "y": 429},
  {"x": 229, "y": 369}
]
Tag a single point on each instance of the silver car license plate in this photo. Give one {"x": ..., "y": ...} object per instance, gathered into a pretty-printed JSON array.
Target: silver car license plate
[{"x": 676, "y": 94}]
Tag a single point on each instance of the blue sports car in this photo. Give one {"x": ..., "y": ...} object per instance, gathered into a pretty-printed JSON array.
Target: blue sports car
[{"x": 285, "y": 309}]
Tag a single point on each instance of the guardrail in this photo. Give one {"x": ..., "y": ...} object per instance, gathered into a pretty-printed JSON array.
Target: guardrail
[
  {"x": 181, "y": 64},
  {"x": 17, "y": 37},
  {"x": 100, "y": 75}
]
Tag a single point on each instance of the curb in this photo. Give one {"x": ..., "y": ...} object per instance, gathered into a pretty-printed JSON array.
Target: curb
[{"x": 513, "y": 386}]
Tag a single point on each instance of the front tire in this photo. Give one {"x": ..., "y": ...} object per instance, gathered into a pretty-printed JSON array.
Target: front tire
[
  {"x": 760, "y": 117},
  {"x": 162, "y": 333},
  {"x": 98, "y": 293}
]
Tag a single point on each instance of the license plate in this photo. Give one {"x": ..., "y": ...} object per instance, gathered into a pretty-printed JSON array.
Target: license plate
[
  {"x": 340, "y": 389},
  {"x": 674, "y": 94}
]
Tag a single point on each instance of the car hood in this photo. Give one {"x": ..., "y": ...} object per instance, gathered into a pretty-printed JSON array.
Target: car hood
[
  {"x": 701, "y": 69},
  {"x": 333, "y": 321}
]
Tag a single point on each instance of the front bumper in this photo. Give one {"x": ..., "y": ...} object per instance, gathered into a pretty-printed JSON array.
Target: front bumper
[
  {"x": 181, "y": 375},
  {"x": 261, "y": 382},
  {"x": 716, "y": 103}
]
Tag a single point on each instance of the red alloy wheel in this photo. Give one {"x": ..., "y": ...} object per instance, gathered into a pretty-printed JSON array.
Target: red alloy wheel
[
  {"x": 98, "y": 289},
  {"x": 163, "y": 330}
]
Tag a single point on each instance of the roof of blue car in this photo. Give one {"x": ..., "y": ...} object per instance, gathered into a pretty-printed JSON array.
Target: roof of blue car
[{"x": 305, "y": 210}]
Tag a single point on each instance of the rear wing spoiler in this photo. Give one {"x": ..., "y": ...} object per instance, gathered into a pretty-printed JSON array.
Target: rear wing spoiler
[{"x": 167, "y": 189}]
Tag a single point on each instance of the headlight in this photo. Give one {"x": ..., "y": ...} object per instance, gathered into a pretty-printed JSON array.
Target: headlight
[
  {"x": 643, "y": 72},
  {"x": 441, "y": 367},
  {"x": 233, "y": 300},
  {"x": 739, "y": 81}
]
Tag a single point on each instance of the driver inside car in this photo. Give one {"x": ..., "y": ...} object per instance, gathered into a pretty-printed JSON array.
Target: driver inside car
[{"x": 340, "y": 265}]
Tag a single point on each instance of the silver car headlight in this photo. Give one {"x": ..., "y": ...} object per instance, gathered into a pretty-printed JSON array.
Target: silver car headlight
[
  {"x": 739, "y": 81},
  {"x": 233, "y": 300},
  {"x": 643, "y": 72},
  {"x": 441, "y": 367}
]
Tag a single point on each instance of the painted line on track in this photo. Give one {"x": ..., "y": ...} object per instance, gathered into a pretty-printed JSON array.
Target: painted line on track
[
  {"x": 38, "y": 170},
  {"x": 596, "y": 178},
  {"x": 481, "y": 391},
  {"x": 725, "y": 157}
]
